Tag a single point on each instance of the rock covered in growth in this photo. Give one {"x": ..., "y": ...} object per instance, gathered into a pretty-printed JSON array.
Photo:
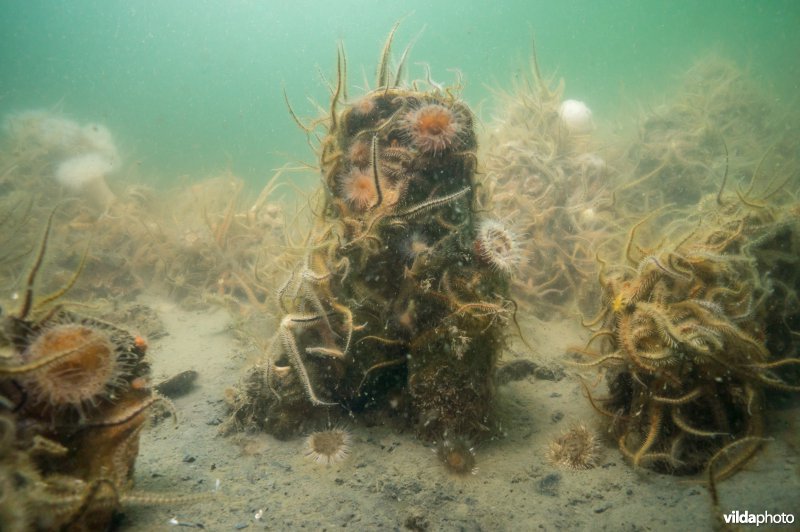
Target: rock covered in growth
[
  {"x": 693, "y": 339},
  {"x": 396, "y": 307}
]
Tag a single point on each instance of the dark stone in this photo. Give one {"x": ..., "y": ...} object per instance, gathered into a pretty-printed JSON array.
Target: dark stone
[
  {"x": 515, "y": 370},
  {"x": 177, "y": 385}
]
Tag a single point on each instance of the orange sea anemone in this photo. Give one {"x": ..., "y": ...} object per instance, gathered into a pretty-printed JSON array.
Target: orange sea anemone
[
  {"x": 457, "y": 455},
  {"x": 85, "y": 368},
  {"x": 433, "y": 128},
  {"x": 357, "y": 188}
]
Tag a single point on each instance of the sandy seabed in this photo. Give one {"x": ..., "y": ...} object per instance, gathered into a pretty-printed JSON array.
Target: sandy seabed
[{"x": 391, "y": 481}]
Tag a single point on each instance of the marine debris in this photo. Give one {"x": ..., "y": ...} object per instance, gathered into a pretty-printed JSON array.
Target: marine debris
[{"x": 399, "y": 305}]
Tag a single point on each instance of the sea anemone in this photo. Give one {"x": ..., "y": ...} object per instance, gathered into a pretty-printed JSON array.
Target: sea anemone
[
  {"x": 364, "y": 106},
  {"x": 328, "y": 446},
  {"x": 85, "y": 369},
  {"x": 87, "y": 174},
  {"x": 576, "y": 116},
  {"x": 577, "y": 448},
  {"x": 433, "y": 128},
  {"x": 457, "y": 455},
  {"x": 415, "y": 245},
  {"x": 497, "y": 246},
  {"x": 357, "y": 188},
  {"x": 360, "y": 154}
]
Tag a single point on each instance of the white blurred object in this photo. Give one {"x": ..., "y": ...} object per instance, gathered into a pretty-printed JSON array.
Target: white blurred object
[
  {"x": 86, "y": 174},
  {"x": 577, "y": 116},
  {"x": 83, "y": 156}
]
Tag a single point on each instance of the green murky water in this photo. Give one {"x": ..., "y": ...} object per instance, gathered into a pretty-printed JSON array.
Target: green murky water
[{"x": 190, "y": 88}]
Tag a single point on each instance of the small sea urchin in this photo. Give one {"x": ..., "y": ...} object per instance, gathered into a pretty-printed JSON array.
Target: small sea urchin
[
  {"x": 328, "y": 446},
  {"x": 577, "y": 448},
  {"x": 433, "y": 128},
  {"x": 497, "y": 246}
]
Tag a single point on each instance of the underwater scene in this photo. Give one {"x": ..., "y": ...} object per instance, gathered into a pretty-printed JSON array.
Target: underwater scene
[{"x": 516, "y": 265}]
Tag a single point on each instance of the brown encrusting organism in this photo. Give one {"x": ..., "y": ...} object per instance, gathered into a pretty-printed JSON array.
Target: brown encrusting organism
[{"x": 394, "y": 306}]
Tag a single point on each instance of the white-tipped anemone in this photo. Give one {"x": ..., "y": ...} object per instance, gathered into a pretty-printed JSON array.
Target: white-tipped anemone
[
  {"x": 86, "y": 174},
  {"x": 60, "y": 137},
  {"x": 497, "y": 246},
  {"x": 577, "y": 116}
]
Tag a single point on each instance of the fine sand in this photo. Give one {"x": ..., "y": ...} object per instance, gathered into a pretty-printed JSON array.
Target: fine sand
[{"x": 391, "y": 481}]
